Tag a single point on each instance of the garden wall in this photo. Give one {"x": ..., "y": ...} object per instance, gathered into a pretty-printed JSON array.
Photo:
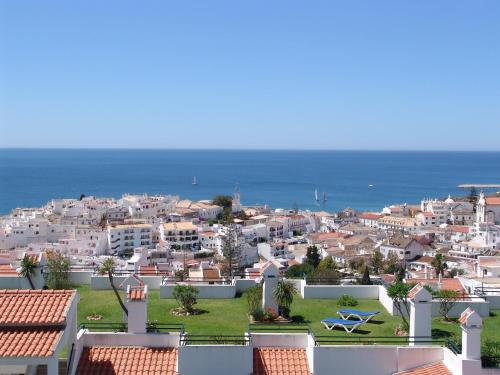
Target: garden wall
[
  {"x": 80, "y": 277},
  {"x": 102, "y": 282},
  {"x": 287, "y": 340},
  {"x": 373, "y": 360},
  {"x": 206, "y": 291},
  {"x": 336, "y": 291},
  {"x": 243, "y": 284},
  {"x": 215, "y": 359}
]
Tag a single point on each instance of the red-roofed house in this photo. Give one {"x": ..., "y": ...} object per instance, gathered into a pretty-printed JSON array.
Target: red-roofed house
[{"x": 35, "y": 325}]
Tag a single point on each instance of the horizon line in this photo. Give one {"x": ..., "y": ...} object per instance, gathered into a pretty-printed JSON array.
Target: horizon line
[{"x": 245, "y": 149}]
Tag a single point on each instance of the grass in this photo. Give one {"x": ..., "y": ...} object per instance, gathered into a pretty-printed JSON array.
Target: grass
[{"x": 229, "y": 316}]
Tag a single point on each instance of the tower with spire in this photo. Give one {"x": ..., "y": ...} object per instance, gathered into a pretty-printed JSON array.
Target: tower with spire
[
  {"x": 481, "y": 209},
  {"x": 236, "y": 203}
]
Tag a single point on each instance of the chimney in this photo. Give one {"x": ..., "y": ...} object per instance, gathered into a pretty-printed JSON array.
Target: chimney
[
  {"x": 471, "y": 324},
  {"x": 420, "y": 315},
  {"x": 137, "y": 305}
]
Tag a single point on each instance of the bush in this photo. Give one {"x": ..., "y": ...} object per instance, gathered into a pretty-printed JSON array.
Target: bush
[
  {"x": 270, "y": 315},
  {"x": 186, "y": 296},
  {"x": 347, "y": 300},
  {"x": 258, "y": 314},
  {"x": 254, "y": 297}
]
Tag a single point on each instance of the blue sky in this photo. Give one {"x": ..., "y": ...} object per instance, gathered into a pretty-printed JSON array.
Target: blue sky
[{"x": 250, "y": 74}]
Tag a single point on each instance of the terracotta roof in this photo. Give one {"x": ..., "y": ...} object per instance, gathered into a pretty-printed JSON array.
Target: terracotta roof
[
  {"x": 136, "y": 293},
  {"x": 492, "y": 200},
  {"x": 34, "y": 307},
  {"x": 438, "y": 368},
  {"x": 446, "y": 284},
  {"x": 119, "y": 360},
  {"x": 459, "y": 228},
  {"x": 465, "y": 315},
  {"x": 148, "y": 270},
  {"x": 280, "y": 361},
  {"x": 29, "y": 342},
  {"x": 7, "y": 270},
  {"x": 370, "y": 216},
  {"x": 413, "y": 292}
]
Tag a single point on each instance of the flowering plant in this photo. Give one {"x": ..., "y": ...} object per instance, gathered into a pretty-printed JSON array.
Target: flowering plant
[{"x": 270, "y": 314}]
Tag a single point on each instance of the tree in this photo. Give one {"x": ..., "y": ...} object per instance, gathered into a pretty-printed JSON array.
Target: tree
[
  {"x": 327, "y": 263},
  {"x": 366, "y": 278},
  {"x": 27, "y": 269},
  {"x": 324, "y": 277},
  {"x": 472, "y": 197},
  {"x": 284, "y": 296},
  {"x": 391, "y": 262},
  {"x": 439, "y": 264},
  {"x": 231, "y": 250},
  {"x": 108, "y": 267},
  {"x": 312, "y": 256},
  {"x": 376, "y": 261},
  {"x": 81, "y": 196},
  {"x": 400, "y": 271},
  {"x": 186, "y": 296},
  {"x": 356, "y": 264},
  {"x": 299, "y": 271},
  {"x": 447, "y": 299},
  {"x": 58, "y": 268},
  {"x": 398, "y": 291},
  {"x": 223, "y": 201}
]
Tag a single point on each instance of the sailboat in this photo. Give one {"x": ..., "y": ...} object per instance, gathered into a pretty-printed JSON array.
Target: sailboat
[
  {"x": 194, "y": 181},
  {"x": 316, "y": 195},
  {"x": 324, "y": 197}
]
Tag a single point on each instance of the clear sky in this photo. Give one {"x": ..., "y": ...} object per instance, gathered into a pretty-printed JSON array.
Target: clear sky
[{"x": 250, "y": 74}]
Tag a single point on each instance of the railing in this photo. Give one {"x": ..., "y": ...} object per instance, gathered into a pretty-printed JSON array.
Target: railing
[
  {"x": 188, "y": 339},
  {"x": 155, "y": 327},
  {"x": 104, "y": 326},
  {"x": 490, "y": 361},
  {"x": 279, "y": 327},
  {"x": 70, "y": 360},
  {"x": 320, "y": 340},
  {"x": 486, "y": 291}
]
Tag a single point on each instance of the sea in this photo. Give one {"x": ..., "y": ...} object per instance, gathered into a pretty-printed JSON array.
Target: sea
[{"x": 362, "y": 180}]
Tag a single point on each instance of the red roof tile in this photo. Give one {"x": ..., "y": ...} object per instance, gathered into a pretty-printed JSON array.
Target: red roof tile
[
  {"x": 34, "y": 307},
  {"x": 438, "y": 368},
  {"x": 280, "y": 361},
  {"x": 119, "y": 360},
  {"x": 29, "y": 342},
  {"x": 492, "y": 200},
  {"x": 136, "y": 293}
]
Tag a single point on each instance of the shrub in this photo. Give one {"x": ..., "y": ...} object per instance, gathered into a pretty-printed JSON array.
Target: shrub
[
  {"x": 284, "y": 296},
  {"x": 258, "y": 314},
  {"x": 447, "y": 299},
  {"x": 186, "y": 296},
  {"x": 347, "y": 300},
  {"x": 270, "y": 315},
  {"x": 254, "y": 298}
]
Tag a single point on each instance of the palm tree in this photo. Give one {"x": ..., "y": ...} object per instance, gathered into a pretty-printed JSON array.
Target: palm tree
[
  {"x": 439, "y": 264},
  {"x": 284, "y": 296},
  {"x": 27, "y": 269},
  {"x": 108, "y": 267}
]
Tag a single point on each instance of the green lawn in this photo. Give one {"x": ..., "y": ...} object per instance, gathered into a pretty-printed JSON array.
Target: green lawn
[{"x": 229, "y": 316}]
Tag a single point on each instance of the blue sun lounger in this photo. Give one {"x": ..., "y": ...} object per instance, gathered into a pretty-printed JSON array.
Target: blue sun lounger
[
  {"x": 359, "y": 314},
  {"x": 348, "y": 325}
]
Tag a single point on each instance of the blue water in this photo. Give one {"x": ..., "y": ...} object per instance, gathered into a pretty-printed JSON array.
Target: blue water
[{"x": 280, "y": 178}]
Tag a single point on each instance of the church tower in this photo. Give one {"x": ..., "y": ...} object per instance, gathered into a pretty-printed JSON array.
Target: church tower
[
  {"x": 236, "y": 203},
  {"x": 481, "y": 209}
]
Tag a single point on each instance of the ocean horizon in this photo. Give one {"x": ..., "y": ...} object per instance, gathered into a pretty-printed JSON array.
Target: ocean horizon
[{"x": 361, "y": 179}]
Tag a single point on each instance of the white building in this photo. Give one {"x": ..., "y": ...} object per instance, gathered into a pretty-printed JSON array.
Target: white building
[
  {"x": 123, "y": 238},
  {"x": 182, "y": 235},
  {"x": 404, "y": 247},
  {"x": 488, "y": 209}
]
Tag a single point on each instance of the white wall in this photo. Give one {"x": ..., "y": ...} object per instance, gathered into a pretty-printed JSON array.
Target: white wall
[
  {"x": 206, "y": 291},
  {"x": 479, "y": 305},
  {"x": 336, "y": 291},
  {"x": 373, "y": 360},
  {"x": 215, "y": 359},
  {"x": 243, "y": 284},
  {"x": 286, "y": 340},
  {"x": 80, "y": 277},
  {"x": 102, "y": 282}
]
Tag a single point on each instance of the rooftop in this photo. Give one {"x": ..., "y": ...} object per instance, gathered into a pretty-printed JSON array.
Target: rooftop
[
  {"x": 117, "y": 360},
  {"x": 34, "y": 307},
  {"x": 280, "y": 361}
]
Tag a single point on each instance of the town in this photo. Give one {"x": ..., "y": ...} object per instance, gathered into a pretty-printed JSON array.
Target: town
[{"x": 428, "y": 274}]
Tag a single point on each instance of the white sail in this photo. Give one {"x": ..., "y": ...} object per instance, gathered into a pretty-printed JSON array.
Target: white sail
[
  {"x": 194, "y": 181},
  {"x": 316, "y": 194}
]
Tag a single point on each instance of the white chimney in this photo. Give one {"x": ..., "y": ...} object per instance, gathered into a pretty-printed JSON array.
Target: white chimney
[
  {"x": 420, "y": 315},
  {"x": 471, "y": 324},
  {"x": 137, "y": 305}
]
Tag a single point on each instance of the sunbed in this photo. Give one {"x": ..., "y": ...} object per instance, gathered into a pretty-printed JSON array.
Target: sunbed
[
  {"x": 348, "y": 325},
  {"x": 359, "y": 314}
]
